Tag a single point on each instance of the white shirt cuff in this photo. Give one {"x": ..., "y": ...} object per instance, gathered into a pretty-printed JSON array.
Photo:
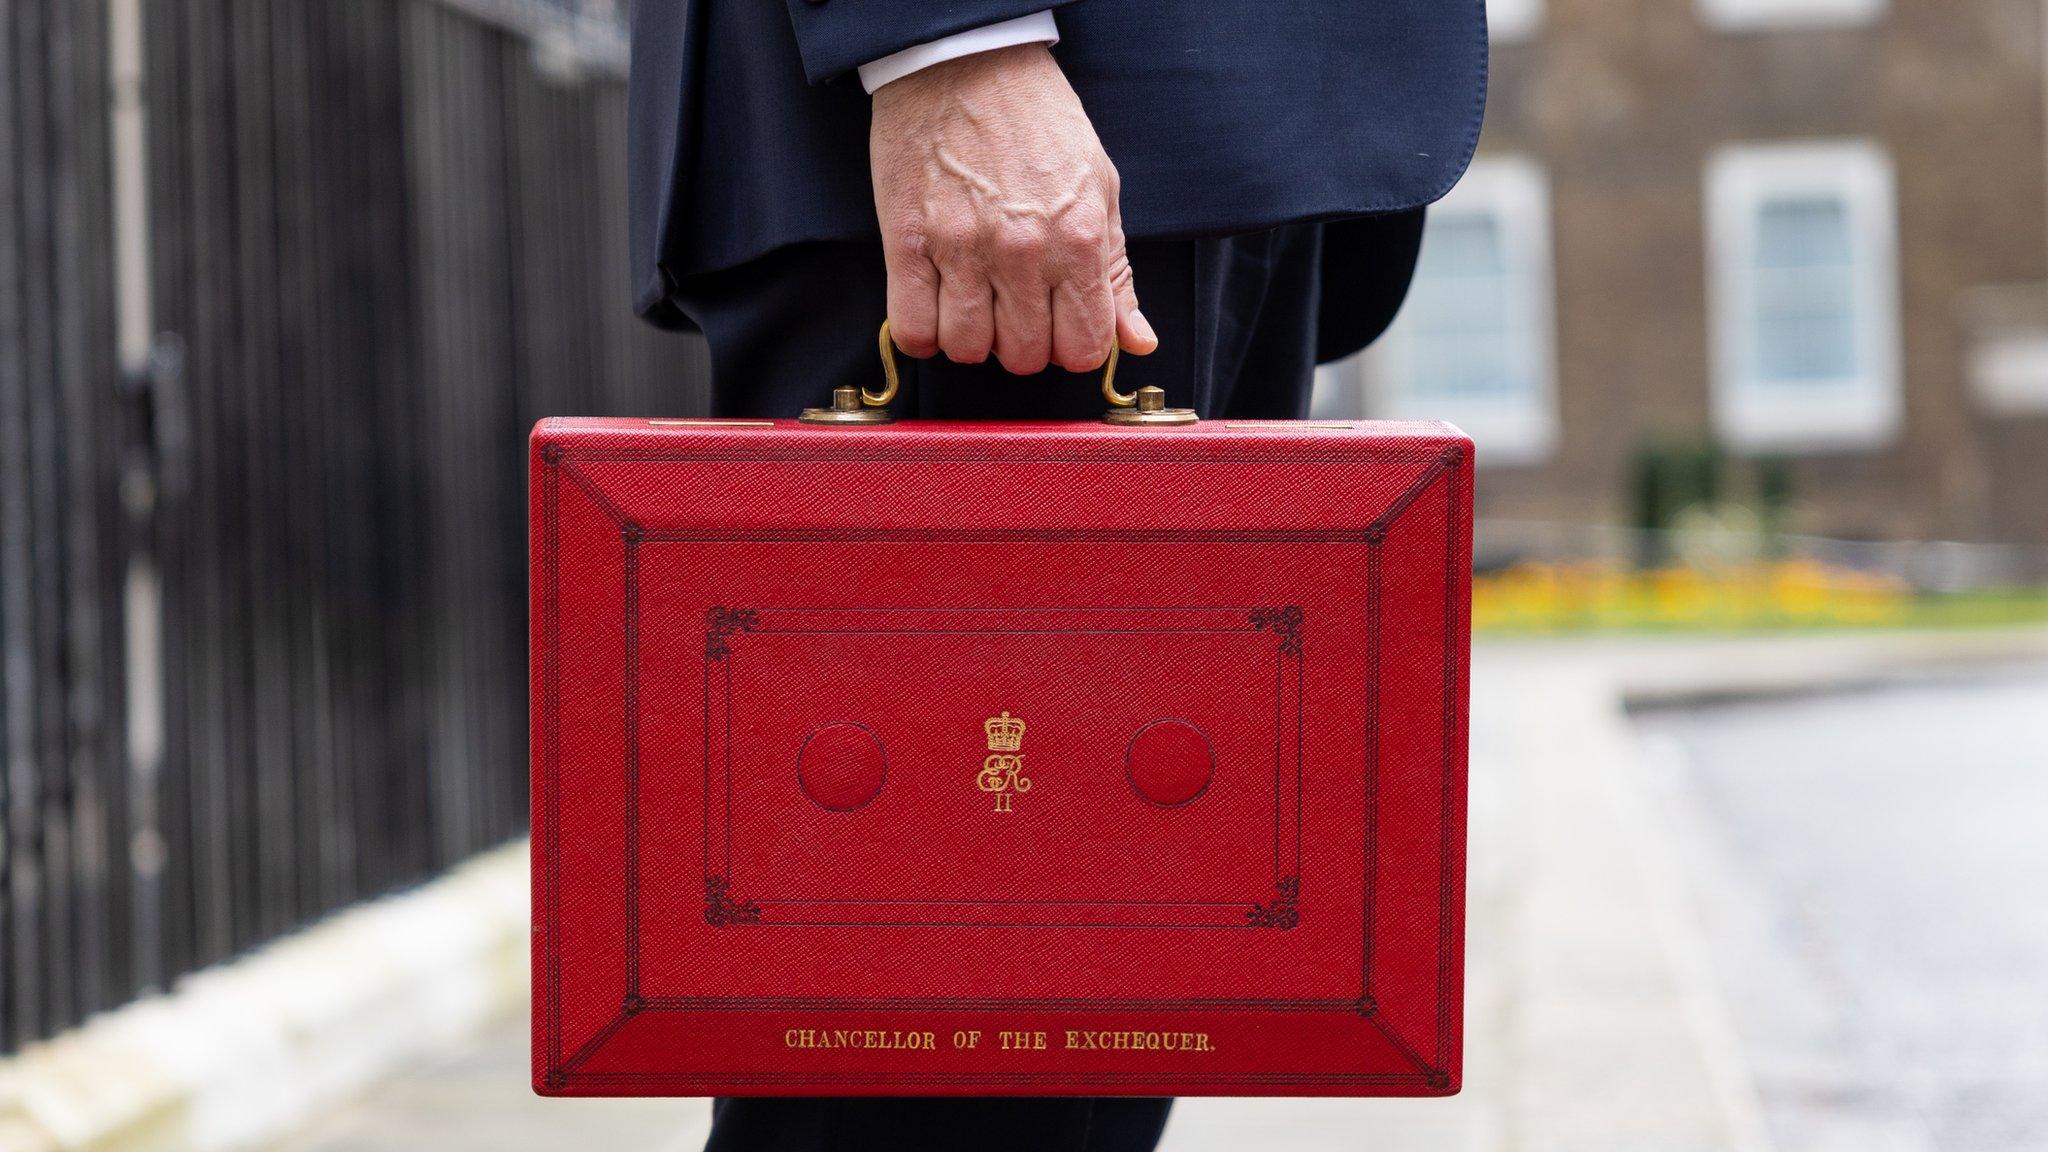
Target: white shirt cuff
[{"x": 1037, "y": 28}]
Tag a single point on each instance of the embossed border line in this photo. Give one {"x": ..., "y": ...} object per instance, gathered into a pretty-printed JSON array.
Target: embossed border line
[
  {"x": 728, "y": 904},
  {"x": 561, "y": 1073}
]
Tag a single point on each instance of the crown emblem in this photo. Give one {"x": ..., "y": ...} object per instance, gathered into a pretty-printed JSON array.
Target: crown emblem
[
  {"x": 1005, "y": 733},
  {"x": 1003, "y": 772}
]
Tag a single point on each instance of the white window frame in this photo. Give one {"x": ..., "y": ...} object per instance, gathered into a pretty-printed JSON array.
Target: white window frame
[
  {"x": 1510, "y": 430},
  {"x": 1852, "y": 413},
  {"x": 1769, "y": 15},
  {"x": 1512, "y": 20},
  {"x": 2010, "y": 372}
]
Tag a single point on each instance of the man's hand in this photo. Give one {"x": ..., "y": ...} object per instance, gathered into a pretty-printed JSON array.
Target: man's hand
[{"x": 999, "y": 217}]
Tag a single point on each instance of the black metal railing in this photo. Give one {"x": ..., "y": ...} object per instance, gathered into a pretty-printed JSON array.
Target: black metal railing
[{"x": 262, "y": 598}]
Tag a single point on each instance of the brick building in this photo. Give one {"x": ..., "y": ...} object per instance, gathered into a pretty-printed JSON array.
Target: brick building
[{"x": 1809, "y": 229}]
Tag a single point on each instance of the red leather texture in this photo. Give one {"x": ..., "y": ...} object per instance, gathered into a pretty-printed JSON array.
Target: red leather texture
[{"x": 1041, "y": 759}]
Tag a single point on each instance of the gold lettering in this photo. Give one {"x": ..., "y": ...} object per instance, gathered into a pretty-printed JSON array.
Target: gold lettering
[
  {"x": 1107, "y": 1041},
  {"x": 1008, "y": 1040}
]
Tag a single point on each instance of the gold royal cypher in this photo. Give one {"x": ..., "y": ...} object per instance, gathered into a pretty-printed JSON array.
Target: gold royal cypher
[{"x": 1002, "y": 773}]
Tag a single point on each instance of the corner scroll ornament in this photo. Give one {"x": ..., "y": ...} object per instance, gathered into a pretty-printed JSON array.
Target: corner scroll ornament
[
  {"x": 1284, "y": 623},
  {"x": 720, "y": 623},
  {"x": 721, "y": 909},
  {"x": 1283, "y": 912}
]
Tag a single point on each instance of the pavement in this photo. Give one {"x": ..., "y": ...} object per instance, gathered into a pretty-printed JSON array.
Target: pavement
[
  {"x": 1597, "y": 1016},
  {"x": 472, "y": 1095},
  {"x": 1867, "y": 868}
]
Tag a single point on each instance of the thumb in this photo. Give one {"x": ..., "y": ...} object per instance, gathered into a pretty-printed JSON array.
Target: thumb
[{"x": 1133, "y": 332}]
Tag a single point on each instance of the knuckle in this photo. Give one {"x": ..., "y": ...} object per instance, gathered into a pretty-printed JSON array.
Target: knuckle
[
  {"x": 954, "y": 236},
  {"x": 1084, "y": 361},
  {"x": 1122, "y": 285},
  {"x": 1083, "y": 232},
  {"x": 915, "y": 344},
  {"x": 910, "y": 244},
  {"x": 1020, "y": 244},
  {"x": 914, "y": 334},
  {"x": 1089, "y": 346},
  {"x": 1021, "y": 362},
  {"x": 967, "y": 320}
]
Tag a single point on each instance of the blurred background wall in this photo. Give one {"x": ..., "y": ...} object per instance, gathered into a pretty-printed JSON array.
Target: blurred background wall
[
  {"x": 282, "y": 286},
  {"x": 1809, "y": 233}
]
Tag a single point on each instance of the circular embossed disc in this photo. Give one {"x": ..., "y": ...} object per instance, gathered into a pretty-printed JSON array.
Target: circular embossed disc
[
  {"x": 841, "y": 767},
  {"x": 1169, "y": 762}
]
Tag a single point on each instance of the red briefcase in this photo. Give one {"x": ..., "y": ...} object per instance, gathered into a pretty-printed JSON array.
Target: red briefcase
[{"x": 998, "y": 758}]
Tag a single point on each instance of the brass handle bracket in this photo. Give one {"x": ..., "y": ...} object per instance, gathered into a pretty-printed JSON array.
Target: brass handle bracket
[
  {"x": 1145, "y": 405},
  {"x": 852, "y": 405},
  {"x": 1148, "y": 406},
  {"x": 1139, "y": 406}
]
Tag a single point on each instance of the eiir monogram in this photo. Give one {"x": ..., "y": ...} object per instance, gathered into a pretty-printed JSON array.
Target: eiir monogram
[{"x": 1003, "y": 772}]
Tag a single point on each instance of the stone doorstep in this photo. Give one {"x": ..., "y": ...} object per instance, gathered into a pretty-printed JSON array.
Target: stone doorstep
[{"x": 239, "y": 1053}]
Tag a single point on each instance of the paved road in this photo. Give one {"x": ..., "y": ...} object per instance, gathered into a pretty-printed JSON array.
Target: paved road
[{"x": 1873, "y": 871}]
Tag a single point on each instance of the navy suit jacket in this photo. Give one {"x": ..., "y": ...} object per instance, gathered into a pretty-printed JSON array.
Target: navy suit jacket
[{"x": 747, "y": 129}]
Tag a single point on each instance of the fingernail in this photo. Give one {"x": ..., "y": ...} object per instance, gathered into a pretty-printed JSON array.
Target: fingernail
[{"x": 1143, "y": 327}]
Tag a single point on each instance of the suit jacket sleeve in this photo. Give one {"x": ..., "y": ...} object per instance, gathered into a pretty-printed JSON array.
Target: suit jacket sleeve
[{"x": 837, "y": 36}]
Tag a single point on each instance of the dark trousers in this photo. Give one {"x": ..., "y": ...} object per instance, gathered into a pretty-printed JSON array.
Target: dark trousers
[
  {"x": 1237, "y": 320},
  {"x": 954, "y": 1124}
]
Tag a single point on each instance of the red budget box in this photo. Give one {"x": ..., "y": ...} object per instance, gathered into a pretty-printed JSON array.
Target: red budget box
[{"x": 932, "y": 759}]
